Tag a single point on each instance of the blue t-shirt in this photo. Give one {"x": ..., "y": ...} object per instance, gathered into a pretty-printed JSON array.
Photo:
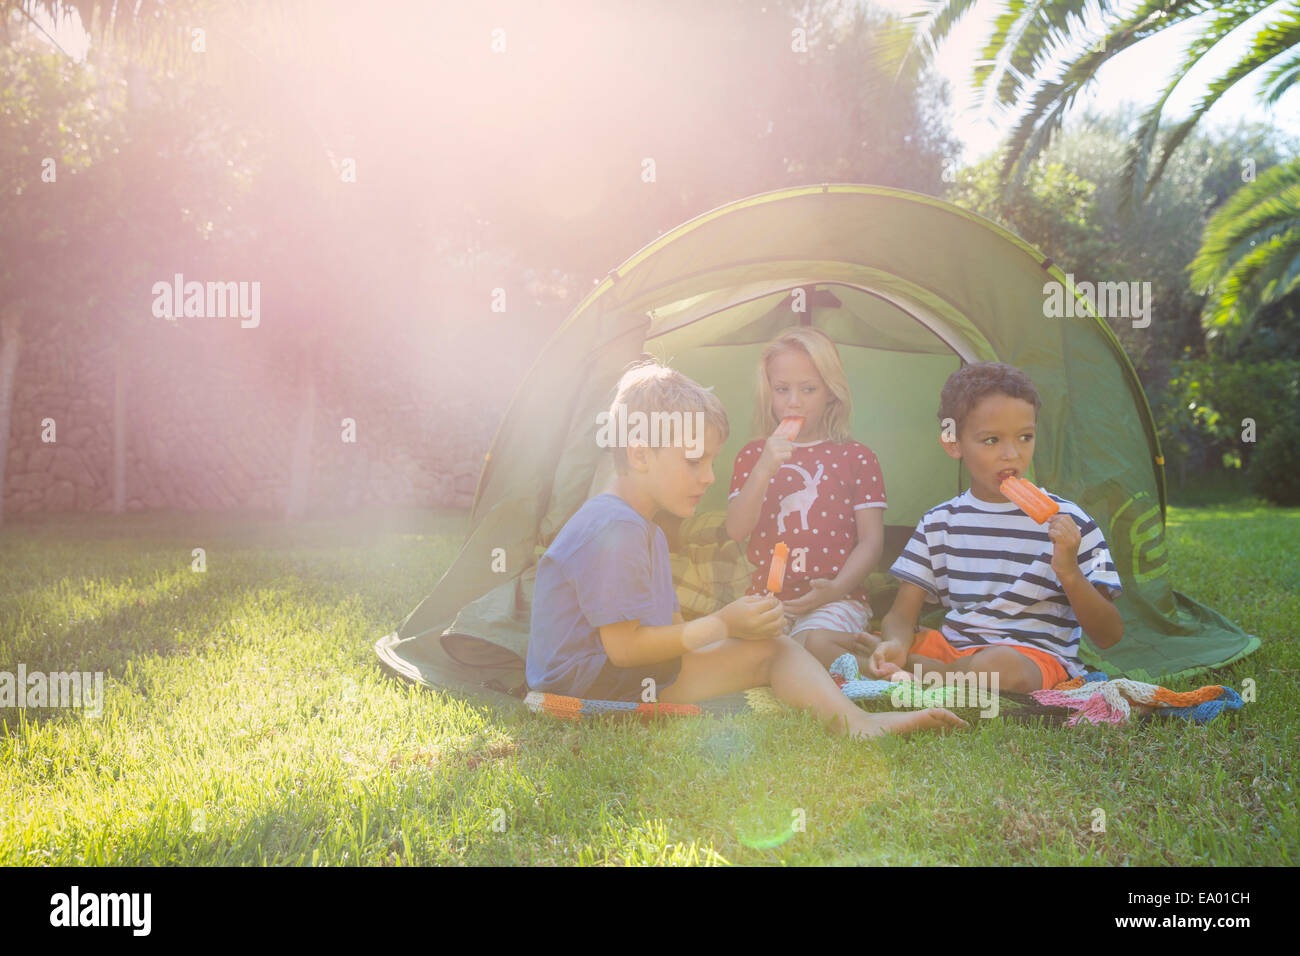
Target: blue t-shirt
[{"x": 607, "y": 564}]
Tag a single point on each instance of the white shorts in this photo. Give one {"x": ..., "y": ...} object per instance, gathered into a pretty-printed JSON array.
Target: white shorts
[{"x": 848, "y": 616}]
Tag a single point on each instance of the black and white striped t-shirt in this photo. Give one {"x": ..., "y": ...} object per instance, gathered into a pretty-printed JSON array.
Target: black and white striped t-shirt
[{"x": 991, "y": 565}]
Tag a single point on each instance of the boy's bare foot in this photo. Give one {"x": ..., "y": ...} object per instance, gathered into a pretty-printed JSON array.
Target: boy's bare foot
[{"x": 866, "y": 725}]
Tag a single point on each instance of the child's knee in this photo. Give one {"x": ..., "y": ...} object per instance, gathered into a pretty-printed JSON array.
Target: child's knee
[
  {"x": 1018, "y": 683},
  {"x": 768, "y": 651},
  {"x": 1016, "y": 672},
  {"x": 782, "y": 642}
]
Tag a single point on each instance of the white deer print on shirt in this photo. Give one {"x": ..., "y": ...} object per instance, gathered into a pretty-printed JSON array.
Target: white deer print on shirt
[{"x": 801, "y": 500}]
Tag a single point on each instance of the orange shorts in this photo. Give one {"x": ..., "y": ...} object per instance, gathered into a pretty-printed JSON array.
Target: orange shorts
[{"x": 934, "y": 645}]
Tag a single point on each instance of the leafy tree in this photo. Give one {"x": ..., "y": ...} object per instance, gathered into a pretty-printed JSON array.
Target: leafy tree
[
  {"x": 157, "y": 32},
  {"x": 1249, "y": 259},
  {"x": 1030, "y": 38},
  {"x": 475, "y": 170},
  {"x": 1070, "y": 206},
  {"x": 115, "y": 179},
  {"x": 49, "y": 137}
]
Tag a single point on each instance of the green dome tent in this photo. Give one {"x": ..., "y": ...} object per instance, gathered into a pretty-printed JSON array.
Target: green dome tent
[{"x": 909, "y": 287}]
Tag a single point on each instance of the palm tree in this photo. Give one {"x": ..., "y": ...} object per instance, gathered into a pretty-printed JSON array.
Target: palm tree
[
  {"x": 1250, "y": 253},
  {"x": 150, "y": 30},
  {"x": 1029, "y": 35}
]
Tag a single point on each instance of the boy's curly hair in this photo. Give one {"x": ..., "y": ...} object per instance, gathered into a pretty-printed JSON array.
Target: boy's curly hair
[{"x": 966, "y": 386}]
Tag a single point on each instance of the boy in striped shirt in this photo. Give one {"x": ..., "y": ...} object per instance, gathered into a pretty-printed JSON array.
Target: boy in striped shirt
[{"x": 1018, "y": 593}]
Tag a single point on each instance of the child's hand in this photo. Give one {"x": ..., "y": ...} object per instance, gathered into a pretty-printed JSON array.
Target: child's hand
[
  {"x": 754, "y": 617},
  {"x": 823, "y": 591},
  {"x": 887, "y": 658},
  {"x": 776, "y": 452},
  {"x": 864, "y": 643},
  {"x": 1064, "y": 534}
]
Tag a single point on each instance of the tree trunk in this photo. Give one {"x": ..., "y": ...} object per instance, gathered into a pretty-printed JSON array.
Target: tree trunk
[
  {"x": 11, "y": 321},
  {"x": 119, "y": 429},
  {"x": 300, "y": 462}
]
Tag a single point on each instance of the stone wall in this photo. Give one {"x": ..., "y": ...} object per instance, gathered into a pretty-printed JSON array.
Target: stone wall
[{"x": 211, "y": 415}]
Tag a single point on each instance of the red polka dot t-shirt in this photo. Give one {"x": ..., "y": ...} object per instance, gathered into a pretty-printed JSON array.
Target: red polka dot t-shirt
[{"x": 811, "y": 503}]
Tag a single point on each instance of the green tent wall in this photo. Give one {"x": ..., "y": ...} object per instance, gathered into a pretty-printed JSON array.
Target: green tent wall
[{"x": 909, "y": 287}]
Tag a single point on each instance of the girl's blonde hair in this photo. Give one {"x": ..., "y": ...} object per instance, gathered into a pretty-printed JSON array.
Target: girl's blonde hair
[{"x": 826, "y": 359}]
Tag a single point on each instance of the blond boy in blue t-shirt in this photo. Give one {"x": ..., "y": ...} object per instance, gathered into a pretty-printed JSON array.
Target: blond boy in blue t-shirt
[{"x": 603, "y": 621}]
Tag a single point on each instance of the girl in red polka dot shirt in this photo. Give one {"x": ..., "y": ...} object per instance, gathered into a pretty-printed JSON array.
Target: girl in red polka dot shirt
[{"x": 821, "y": 493}]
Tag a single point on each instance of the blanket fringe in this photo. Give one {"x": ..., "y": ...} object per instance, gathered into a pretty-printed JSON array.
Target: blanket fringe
[{"x": 1095, "y": 699}]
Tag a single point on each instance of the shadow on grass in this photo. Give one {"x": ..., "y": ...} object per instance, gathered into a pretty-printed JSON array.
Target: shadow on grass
[
  {"x": 247, "y": 529},
  {"x": 57, "y": 566},
  {"x": 162, "y": 609}
]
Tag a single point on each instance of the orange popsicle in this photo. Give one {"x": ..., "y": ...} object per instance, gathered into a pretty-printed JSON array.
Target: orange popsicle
[
  {"x": 1029, "y": 499},
  {"x": 776, "y": 576},
  {"x": 789, "y": 427}
]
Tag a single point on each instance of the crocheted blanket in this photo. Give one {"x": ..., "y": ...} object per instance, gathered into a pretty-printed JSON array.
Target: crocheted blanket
[
  {"x": 578, "y": 708},
  {"x": 1093, "y": 699},
  {"x": 1096, "y": 699}
]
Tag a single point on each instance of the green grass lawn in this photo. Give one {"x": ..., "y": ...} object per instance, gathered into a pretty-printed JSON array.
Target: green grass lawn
[{"x": 247, "y": 721}]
